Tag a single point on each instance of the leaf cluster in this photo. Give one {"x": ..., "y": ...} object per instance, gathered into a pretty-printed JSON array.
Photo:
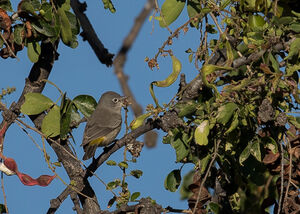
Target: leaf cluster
[{"x": 34, "y": 22}]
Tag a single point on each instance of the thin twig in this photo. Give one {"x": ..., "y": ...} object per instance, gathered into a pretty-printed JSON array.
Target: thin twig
[
  {"x": 290, "y": 171},
  {"x": 281, "y": 180},
  {"x": 71, "y": 155},
  {"x": 53, "y": 170},
  {"x": 9, "y": 48},
  {"x": 3, "y": 191},
  {"x": 32, "y": 139},
  {"x": 162, "y": 16},
  {"x": 206, "y": 174},
  {"x": 125, "y": 153}
]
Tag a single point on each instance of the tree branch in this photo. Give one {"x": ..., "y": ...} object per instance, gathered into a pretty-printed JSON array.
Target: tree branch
[
  {"x": 90, "y": 35},
  {"x": 96, "y": 163},
  {"x": 55, "y": 203},
  {"x": 150, "y": 137}
]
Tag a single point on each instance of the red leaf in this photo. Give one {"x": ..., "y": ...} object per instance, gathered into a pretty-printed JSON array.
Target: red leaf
[
  {"x": 43, "y": 180},
  {"x": 11, "y": 164}
]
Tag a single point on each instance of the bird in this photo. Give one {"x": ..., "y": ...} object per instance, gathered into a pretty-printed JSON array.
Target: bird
[{"x": 104, "y": 124}]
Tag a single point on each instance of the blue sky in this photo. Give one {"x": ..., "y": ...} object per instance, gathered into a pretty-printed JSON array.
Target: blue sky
[{"x": 78, "y": 71}]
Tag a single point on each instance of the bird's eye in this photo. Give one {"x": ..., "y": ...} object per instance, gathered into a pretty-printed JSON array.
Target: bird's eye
[{"x": 115, "y": 100}]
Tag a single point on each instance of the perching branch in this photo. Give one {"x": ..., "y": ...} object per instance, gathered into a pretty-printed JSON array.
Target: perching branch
[{"x": 96, "y": 163}]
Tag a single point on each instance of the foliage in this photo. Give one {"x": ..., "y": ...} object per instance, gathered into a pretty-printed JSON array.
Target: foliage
[
  {"x": 238, "y": 126},
  {"x": 244, "y": 112}
]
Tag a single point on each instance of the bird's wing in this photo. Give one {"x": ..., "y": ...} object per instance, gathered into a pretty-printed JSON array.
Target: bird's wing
[{"x": 94, "y": 131}]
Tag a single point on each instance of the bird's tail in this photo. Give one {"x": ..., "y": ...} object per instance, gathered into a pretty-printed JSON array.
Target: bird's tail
[{"x": 89, "y": 151}]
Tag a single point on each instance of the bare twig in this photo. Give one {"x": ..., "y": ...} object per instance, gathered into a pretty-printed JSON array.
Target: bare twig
[
  {"x": 66, "y": 151},
  {"x": 4, "y": 195},
  {"x": 89, "y": 33},
  {"x": 162, "y": 16},
  {"x": 290, "y": 171},
  {"x": 9, "y": 48},
  {"x": 122, "y": 54},
  {"x": 150, "y": 137},
  {"x": 55, "y": 203},
  {"x": 281, "y": 179}
]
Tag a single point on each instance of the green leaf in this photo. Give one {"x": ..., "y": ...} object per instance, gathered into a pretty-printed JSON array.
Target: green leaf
[
  {"x": 171, "y": 9},
  {"x": 66, "y": 5},
  {"x": 18, "y": 34},
  {"x": 294, "y": 121},
  {"x": 225, "y": 113},
  {"x": 136, "y": 173},
  {"x": 111, "y": 202},
  {"x": 75, "y": 27},
  {"x": 204, "y": 162},
  {"x": 86, "y": 104},
  {"x": 112, "y": 185},
  {"x": 27, "y": 6},
  {"x": 46, "y": 11},
  {"x": 111, "y": 163},
  {"x": 51, "y": 122},
  {"x": 75, "y": 116},
  {"x": 33, "y": 51},
  {"x": 36, "y": 4},
  {"x": 109, "y": 5},
  {"x": 274, "y": 62},
  {"x": 44, "y": 28},
  {"x": 123, "y": 165},
  {"x": 271, "y": 144},
  {"x": 35, "y": 103},
  {"x": 134, "y": 196},
  {"x": 256, "y": 22},
  {"x": 139, "y": 121},
  {"x": 6, "y": 5},
  {"x": 294, "y": 49},
  {"x": 245, "y": 154},
  {"x": 65, "y": 118},
  {"x": 66, "y": 31},
  {"x": 179, "y": 144},
  {"x": 193, "y": 8},
  {"x": 173, "y": 180},
  {"x": 201, "y": 133},
  {"x": 290, "y": 69},
  {"x": 58, "y": 164},
  {"x": 285, "y": 20},
  {"x": 185, "y": 109},
  {"x": 214, "y": 207},
  {"x": 295, "y": 27},
  {"x": 234, "y": 124},
  {"x": 255, "y": 150},
  {"x": 185, "y": 192}
]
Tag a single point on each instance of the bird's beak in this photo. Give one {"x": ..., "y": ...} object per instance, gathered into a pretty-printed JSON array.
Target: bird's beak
[{"x": 125, "y": 101}]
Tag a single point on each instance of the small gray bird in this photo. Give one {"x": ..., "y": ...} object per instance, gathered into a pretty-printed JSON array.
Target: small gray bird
[{"x": 104, "y": 124}]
